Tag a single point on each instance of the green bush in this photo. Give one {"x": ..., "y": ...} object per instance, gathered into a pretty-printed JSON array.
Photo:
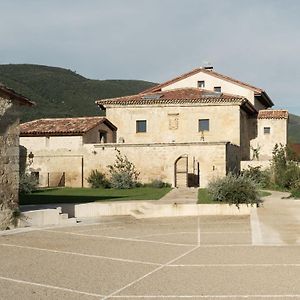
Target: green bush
[
  {"x": 291, "y": 176},
  {"x": 97, "y": 179},
  {"x": 27, "y": 184},
  {"x": 157, "y": 183},
  {"x": 235, "y": 190},
  {"x": 261, "y": 177},
  {"x": 123, "y": 173}
]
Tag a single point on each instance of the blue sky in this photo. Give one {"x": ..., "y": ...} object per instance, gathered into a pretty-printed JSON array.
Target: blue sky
[{"x": 254, "y": 41}]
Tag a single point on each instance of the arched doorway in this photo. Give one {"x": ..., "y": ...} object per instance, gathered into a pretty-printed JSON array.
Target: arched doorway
[{"x": 181, "y": 171}]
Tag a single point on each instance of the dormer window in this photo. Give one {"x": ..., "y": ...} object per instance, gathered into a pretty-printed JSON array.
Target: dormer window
[
  {"x": 217, "y": 89},
  {"x": 201, "y": 84}
]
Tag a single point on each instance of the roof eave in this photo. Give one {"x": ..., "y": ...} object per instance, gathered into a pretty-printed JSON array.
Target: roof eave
[
  {"x": 12, "y": 95},
  {"x": 265, "y": 99},
  {"x": 249, "y": 108}
]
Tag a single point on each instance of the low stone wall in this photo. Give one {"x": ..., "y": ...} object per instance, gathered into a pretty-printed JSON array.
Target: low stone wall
[
  {"x": 151, "y": 210},
  {"x": 264, "y": 164}
]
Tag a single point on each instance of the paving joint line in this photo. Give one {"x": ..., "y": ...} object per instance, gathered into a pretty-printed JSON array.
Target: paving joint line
[
  {"x": 149, "y": 273},
  {"x": 160, "y": 267},
  {"x": 81, "y": 254},
  {"x": 50, "y": 286},
  {"x": 120, "y": 238}
]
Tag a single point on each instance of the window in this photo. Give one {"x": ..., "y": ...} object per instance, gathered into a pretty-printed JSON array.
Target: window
[
  {"x": 141, "y": 126},
  {"x": 203, "y": 125},
  {"x": 201, "y": 84},
  {"x": 217, "y": 89},
  {"x": 267, "y": 130},
  {"x": 103, "y": 136}
]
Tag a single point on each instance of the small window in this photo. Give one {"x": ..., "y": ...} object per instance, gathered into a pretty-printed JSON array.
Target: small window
[
  {"x": 267, "y": 130},
  {"x": 103, "y": 136},
  {"x": 201, "y": 84},
  {"x": 217, "y": 89},
  {"x": 141, "y": 126},
  {"x": 203, "y": 125}
]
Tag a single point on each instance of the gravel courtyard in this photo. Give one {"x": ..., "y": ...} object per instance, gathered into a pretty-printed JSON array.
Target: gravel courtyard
[{"x": 124, "y": 258}]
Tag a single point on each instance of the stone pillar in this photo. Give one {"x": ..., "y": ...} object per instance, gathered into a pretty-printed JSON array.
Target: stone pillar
[{"x": 9, "y": 154}]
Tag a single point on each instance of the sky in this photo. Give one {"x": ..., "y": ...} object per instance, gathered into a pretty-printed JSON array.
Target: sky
[{"x": 255, "y": 41}]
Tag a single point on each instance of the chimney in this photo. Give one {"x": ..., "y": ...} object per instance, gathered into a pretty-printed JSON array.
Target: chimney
[{"x": 209, "y": 68}]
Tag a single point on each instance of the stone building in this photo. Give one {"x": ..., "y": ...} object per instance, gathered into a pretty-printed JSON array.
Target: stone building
[
  {"x": 44, "y": 137},
  {"x": 187, "y": 130},
  {"x": 10, "y": 103}
]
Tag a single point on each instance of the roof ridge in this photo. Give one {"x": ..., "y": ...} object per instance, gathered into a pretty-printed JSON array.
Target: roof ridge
[{"x": 201, "y": 69}]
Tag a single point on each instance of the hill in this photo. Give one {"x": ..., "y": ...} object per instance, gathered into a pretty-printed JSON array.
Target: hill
[
  {"x": 294, "y": 129},
  {"x": 60, "y": 92}
]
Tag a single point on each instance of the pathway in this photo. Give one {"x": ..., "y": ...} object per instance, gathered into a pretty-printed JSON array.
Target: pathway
[
  {"x": 180, "y": 196},
  {"x": 277, "y": 221}
]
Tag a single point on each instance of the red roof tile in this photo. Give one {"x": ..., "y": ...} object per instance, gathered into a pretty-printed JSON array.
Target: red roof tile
[
  {"x": 62, "y": 126},
  {"x": 273, "y": 114},
  {"x": 176, "y": 96}
]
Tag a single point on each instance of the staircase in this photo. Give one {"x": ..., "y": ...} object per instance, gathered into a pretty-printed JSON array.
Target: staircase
[{"x": 40, "y": 216}]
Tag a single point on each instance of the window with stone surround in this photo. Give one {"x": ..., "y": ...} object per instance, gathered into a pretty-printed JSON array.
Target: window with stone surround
[
  {"x": 267, "y": 130},
  {"x": 141, "y": 126},
  {"x": 217, "y": 89},
  {"x": 203, "y": 125},
  {"x": 201, "y": 84}
]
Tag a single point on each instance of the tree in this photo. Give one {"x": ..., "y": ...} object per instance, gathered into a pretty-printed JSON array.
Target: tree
[{"x": 123, "y": 172}]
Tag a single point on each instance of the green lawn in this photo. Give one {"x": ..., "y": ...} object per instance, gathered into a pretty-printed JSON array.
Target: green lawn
[
  {"x": 80, "y": 195},
  {"x": 205, "y": 198}
]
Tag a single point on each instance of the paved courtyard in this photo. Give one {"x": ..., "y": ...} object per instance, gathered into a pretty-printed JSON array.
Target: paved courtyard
[{"x": 165, "y": 258}]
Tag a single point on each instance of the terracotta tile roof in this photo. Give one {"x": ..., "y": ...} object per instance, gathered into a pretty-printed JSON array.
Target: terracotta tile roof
[
  {"x": 11, "y": 94},
  {"x": 62, "y": 126},
  {"x": 203, "y": 70},
  {"x": 273, "y": 114},
  {"x": 176, "y": 96}
]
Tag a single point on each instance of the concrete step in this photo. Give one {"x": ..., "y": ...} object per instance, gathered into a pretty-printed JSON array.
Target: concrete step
[
  {"x": 68, "y": 221},
  {"x": 137, "y": 214},
  {"x": 64, "y": 216}
]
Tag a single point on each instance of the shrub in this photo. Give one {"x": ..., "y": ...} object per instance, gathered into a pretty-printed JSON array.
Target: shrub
[
  {"x": 235, "y": 190},
  {"x": 157, "y": 183},
  {"x": 291, "y": 176},
  {"x": 286, "y": 172},
  {"x": 97, "y": 179},
  {"x": 261, "y": 177},
  {"x": 279, "y": 165},
  {"x": 123, "y": 173},
  {"x": 27, "y": 184}
]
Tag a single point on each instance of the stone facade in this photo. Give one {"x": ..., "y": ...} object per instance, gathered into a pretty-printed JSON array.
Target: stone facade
[
  {"x": 9, "y": 146},
  {"x": 153, "y": 161},
  {"x": 185, "y": 131},
  {"x": 9, "y": 153}
]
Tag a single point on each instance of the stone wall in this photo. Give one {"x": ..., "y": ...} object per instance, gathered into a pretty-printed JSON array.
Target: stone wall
[
  {"x": 153, "y": 161},
  {"x": 9, "y": 153},
  {"x": 176, "y": 123},
  {"x": 266, "y": 142}
]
